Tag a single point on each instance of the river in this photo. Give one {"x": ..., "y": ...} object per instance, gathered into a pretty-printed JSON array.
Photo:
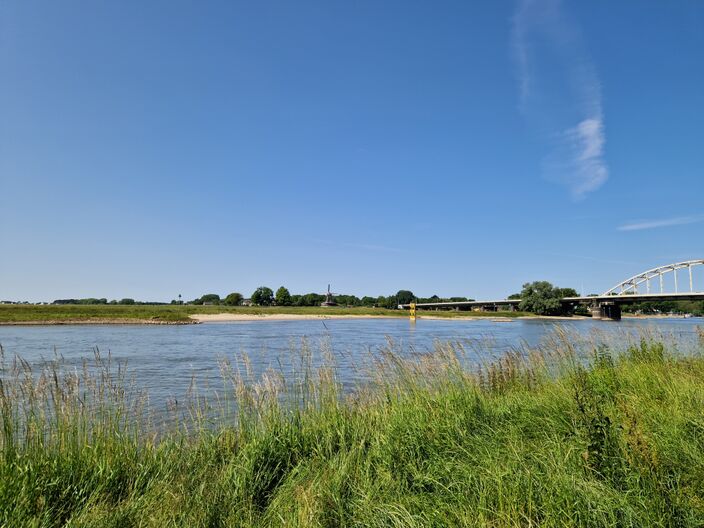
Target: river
[{"x": 164, "y": 360}]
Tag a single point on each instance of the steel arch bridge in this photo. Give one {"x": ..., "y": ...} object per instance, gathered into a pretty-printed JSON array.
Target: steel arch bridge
[
  {"x": 606, "y": 306},
  {"x": 630, "y": 286}
]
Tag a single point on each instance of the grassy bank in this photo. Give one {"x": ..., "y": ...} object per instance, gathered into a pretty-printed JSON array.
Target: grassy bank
[
  {"x": 543, "y": 442},
  {"x": 24, "y": 313}
]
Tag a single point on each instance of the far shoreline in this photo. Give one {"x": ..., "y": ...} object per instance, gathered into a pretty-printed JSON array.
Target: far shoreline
[
  {"x": 96, "y": 321},
  {"x": 229, "y": 317}
]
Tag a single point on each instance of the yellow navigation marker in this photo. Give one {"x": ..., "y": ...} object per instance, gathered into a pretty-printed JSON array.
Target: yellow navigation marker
[{"x": 413, "y": 311}]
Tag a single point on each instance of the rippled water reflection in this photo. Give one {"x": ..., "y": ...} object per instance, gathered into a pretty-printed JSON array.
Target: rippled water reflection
[{"x": 165, "y": 359}]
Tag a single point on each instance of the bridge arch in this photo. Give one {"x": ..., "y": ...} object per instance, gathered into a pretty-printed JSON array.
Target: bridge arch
[{"x": 630, "y": 286}]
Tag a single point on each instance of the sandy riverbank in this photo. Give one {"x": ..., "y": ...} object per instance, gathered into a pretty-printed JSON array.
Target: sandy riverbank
[
  {"x": 230, "y": 317},
  {"x": 234, "y": 317}
]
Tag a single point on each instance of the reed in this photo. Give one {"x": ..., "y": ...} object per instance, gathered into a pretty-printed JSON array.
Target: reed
[{"x": 541, "y": 437}]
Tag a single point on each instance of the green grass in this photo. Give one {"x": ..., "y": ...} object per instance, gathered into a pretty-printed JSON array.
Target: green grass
[
  {"x": 30, "y": 313},
  {"x": 540, "y": 443}
]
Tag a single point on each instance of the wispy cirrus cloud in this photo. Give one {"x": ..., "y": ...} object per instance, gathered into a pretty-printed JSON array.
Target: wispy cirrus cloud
[
  {"x": 560, "y": 95},
  {"x": 663, "y": 222}
]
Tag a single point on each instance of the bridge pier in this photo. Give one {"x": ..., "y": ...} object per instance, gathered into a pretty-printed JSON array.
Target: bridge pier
[{"x": 606, "y": 311}]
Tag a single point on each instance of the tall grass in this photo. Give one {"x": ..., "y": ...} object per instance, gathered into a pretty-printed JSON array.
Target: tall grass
[{"x": 535, "y": 439}]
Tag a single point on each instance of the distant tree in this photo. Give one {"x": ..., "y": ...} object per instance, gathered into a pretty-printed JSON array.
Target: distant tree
[
  {"x": 283, "y": 297},
  {"x": 263, "y": 296},
  {"x": 312, "y": 299},
  {"x": 543, "y": 298},
  {"x": 387, "y": 302},
  {"x": 404, "y": 297},
  {"x": 432, "y": 299},
  {"x": 234, "y": 299},
  {"x": 126, "y": 301},
  {"x": 567, "y": 292},
  {"x": 212, "y": 298},
  {"x": 347, "y": 300},
  {"x": 89, "y": 300},
  {"x": 368, "y": 301},
  {"x": 514, "y": 296}
]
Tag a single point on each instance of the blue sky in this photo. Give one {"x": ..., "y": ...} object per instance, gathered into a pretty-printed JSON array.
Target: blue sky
[{"x": 149, "y": 149}]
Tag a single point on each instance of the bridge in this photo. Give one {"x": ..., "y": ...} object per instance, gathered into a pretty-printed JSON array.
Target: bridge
[{"x": 606, "y": 306}]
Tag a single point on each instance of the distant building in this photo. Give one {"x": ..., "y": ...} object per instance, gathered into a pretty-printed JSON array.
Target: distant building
[{"x": 329, "y": 299}]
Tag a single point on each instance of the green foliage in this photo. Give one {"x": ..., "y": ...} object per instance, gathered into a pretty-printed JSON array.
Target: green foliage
[
  {"x": 233, "y": 299},
  {"x": 263, "y": 296},
  {"x": 542, "y": 298},
  {"x": 368, "y": 301},
  {"x": 211, "y": 298},
  {"x": 595, "y": 398},
  {"x": 310, "y": 299},
  {"x": 283, "y": 297},
  {"x": 89, "y": 300},
  {"x": 567, "y": 292},
  {"x": 615, "y": 443},
  {"x": 435, "y": 299},
  {"x": 387, "y": 302},
  {"x": 404, "y": 297},
  {"x": 348, "y": 300},
  {"x": 126, "y": 301},
  {"x": 666, "y": 307}
]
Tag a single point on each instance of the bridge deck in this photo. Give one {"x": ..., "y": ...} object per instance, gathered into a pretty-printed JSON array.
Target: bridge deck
[
  {"x": 616, "y": 299},
  {"x": 641, "y": 297}
]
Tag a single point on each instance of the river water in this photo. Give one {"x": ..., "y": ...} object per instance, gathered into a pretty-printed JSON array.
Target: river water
[{"x": 165, "y": 360}]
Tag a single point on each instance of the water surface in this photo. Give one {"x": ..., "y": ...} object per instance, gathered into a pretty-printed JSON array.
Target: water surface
[{"x": 165, "y": 359}]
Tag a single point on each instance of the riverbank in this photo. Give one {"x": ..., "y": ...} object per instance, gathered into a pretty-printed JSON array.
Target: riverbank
[
  {"x": 96, "y": 321},
  {"x": 192, "y": 314},
  {"x": 234, "y": 317},
  {"x": 541, "y": 443}
]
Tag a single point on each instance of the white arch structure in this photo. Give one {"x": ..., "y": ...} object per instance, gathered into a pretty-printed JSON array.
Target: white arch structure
[{"x": 630, "y": 286}]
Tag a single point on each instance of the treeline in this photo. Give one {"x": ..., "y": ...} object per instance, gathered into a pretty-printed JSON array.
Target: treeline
[
  {"x": 92, "y": 300},
  {"x": 538, "y": 297},
  {"x": 666, "y": 307},
  {"x": 265, "y": 296}
]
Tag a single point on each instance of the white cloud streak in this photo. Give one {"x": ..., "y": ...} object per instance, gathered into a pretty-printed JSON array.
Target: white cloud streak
[
  {"x": 560, "y": 95},
  {"x": 665, "y": 222}
]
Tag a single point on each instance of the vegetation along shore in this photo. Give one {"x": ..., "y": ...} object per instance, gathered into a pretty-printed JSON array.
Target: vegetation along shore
[
  {"x": 15, "y": 314},
  {"x": 547, "y": 441},
  {"x": 538, "y": 298}
]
